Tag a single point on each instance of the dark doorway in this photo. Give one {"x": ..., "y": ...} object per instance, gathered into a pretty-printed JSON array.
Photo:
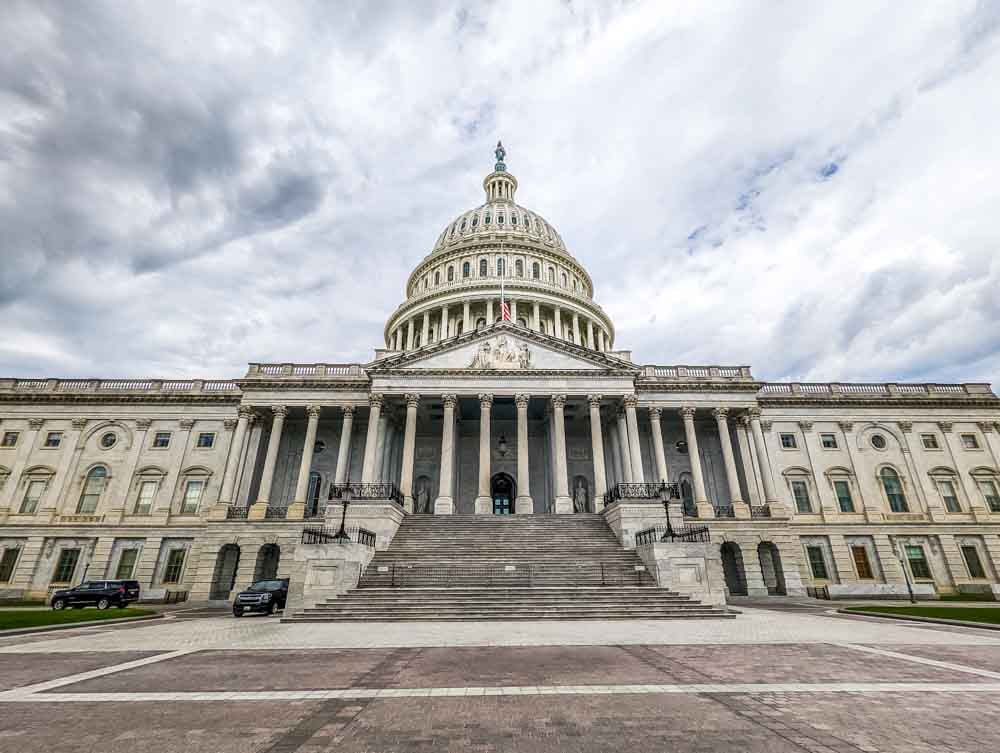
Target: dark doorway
[
  {"x": 770, "y": 566},
  {"x": 503, "y": 491},
  {"x": 266, "y": 567},
  {"x": 733, "y": 570},
  {"x": 226, "y": 564}
]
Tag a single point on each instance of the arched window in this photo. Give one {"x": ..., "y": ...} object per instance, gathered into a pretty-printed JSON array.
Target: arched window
[
  {"x": 451, "y": 274},
  {"x": 463, "y": 224},
  {"x": 513, "y": 219},
  {"x": 527, "y": 222},
  {"x": 500, "y": 267},
  {"x": 552, "y": 275},
  {"x": 466, "y": 270},
  {"x": 93, "y": 487},
  {"x": 437, "y": 278},
  {"x": 536, "y": 271},
  {"x": 426, "y": 282},
  {"x": 519, "y": 268},
  {"x": 893, "y": 490},
  {"x": 483, "y": 268},
  {"x": 480, "y": 322},
  {"x": 564, "y": 279},
  {"x": 475, "y": 220},
  {"x": 521, "y": 322},
  {"x": 499, "y": 219},
  {"x": 486, "y": 220},
  {"x": 430, "y": 335}
]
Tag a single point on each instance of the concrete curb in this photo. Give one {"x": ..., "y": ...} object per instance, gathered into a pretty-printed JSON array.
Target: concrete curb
[
  {"x": 918, "y": 618},
  {"x": 71, "y": 625}
]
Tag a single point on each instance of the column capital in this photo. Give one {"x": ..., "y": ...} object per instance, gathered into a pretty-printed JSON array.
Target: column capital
[
  {"x": 595, "y": 400},
  {"x": 906, "y": 426},
  {"x": 186, "y": 423},
  {"x": 945, "y": 426},
  {"x": 348, "y": 410},
  {"x": 846, "y": 426},
  {"x": 721, "y": 414},
  {"x": 521, "y": 399},
  {"x": 313, "y": 411},
  {"x": 449, "y": 400},
  {"x": 984, "y": 426},
  {"x": 753, "y": 413},
  {"x": 806, "y": 425},
  {"x": 687, "y": 412},
  {"x": 745, "y": 419},
  {"x": 376, "y": 400},
  {"x": 765, "y": 425},
  {"x": 558, "y": 401},
  {"x": 36, "y": 423},
  {"x": 630, "y": 401},
  {"x": 485, "y": 399},
  {"x": 654, "y": 414},
  {"x": 412, "y": 400},
  {"x": 81, "y": 423},
  {"x": 245, "y": 411},
  {"x": 279, "y": 410},
  {"x": 227, "y": 423}
]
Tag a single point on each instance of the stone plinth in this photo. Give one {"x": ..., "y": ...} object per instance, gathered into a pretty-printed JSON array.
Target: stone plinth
[
  {"x": 380, "y": 517},
  {"x": 691, "y": 569},
  {"x": 324, "y": 571},
  {"x": 923, "y": 591},
  {"x": 628, "y": 517}
]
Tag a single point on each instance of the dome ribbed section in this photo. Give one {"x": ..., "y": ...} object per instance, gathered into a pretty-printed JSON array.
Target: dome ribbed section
[{"x": 495, "y": 218}]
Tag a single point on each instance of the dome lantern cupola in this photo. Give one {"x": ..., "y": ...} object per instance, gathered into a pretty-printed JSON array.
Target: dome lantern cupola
[{"x": 500, "y": 185}]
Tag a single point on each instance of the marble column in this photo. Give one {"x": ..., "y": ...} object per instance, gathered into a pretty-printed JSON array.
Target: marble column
[
  {"x": 296, "y": 510},
  {"x": 657, "y": 433},
  {"x": 381, "y": 440},
  {"x": 576, "y": 328},
  {"x": 443, "y": 332},
  {"x": 445, "y": 503},
  {"x": 409, "y": 448},
  {"x": 536, "y": 321},
  {"x": 590, "y": 335},
  {"x": 740, "y": 507},
  {"x": 563, "y": 503},
  {"x": 600, "y": 340},
  {"x": 635, "y": 449},
  {"x": 523, "y": 504},
  {"x": 597, "y": 449},
  {"x": 484, "y": 502},
  {"x": 259, "y": 509},
  {"x": 513, "y": 310},
  {"x": 371, "y": 439},
  {"x": 344, "y": 449},
  {"x": 245, "y": 413},
  {"x": 489, "y": 311},
  {"x": 705, "y": 509},
  {"x": 425, "y": 332},
  {"x": 617, "y": 472},
  {"x": 466, "y": 317},
  {"x": 558, "y": 323},
  {"x": 625, "y": 455},
  {"x": 770, "y": 495}
]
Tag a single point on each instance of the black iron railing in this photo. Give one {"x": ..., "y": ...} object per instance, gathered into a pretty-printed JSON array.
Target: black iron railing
[
  {"x": 398, "y": 575},
  {"x": 641, "y": 491},
  {"x": 275, "y": 513},
  {"x": 237, "y": 513},
  {"x": 689, "y": 534},
  {"x": 326, "y": 535},
  {"x": 760, "y": 511},
  {"x": 725, "y": 511},
  {"x": 690, "y": 509},
  {"x": 360, "y": 491}
]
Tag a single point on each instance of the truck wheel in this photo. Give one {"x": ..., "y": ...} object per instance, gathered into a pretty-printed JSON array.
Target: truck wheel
[
  {"x": 58, "y": 604},
  {"x": 103, "y": 604},
  {"x": 237, "y": 612}
]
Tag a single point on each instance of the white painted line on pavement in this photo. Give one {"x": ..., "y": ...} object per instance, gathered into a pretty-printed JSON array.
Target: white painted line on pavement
[{"x": 922, "y": 660}]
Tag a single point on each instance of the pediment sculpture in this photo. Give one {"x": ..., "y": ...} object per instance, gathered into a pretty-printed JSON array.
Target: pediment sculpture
[{"x": 501, "y": 353}]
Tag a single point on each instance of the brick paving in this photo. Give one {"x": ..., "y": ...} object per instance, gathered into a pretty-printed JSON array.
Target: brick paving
[{"x": 25, "y": 669}]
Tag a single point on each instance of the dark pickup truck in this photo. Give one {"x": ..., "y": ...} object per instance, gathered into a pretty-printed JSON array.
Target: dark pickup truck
[
  {"x": 99, "y": 593},
  {"x": 262, "y": 596}
]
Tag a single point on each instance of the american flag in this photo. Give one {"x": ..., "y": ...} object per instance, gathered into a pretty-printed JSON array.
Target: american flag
[{"x": 504, "y": 311}]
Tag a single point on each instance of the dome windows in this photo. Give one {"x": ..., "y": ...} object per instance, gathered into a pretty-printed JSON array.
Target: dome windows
[
  {"x": 519, "y": 268},
  {"x": 536, "y": 271},
  {"x": 475, "y": 220},
  {"x": 451, "y": 274},
  {"x": 501, "y": 267},
  {"x": 437, "y": 278},
  {"x": 564, "y": 280},
  {"x": 499, "y": 219},
  {"x": 466, "y": 270},
  {"x": 552, "y": 275},
  {"x": 483, "y": 268},
  {"x": 462, "y": 228},
  {"x": 486, "y": 219},
  {"x": 513, "y": 219}
]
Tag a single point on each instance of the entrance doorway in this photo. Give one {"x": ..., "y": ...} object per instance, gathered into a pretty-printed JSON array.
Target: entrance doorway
[
  {"x": 503, "y": 491},
  {"x": 733, "y": 570},
  {"x": 770, "y": 566}
]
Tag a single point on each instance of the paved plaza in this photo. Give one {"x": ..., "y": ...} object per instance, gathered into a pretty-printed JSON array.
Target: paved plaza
[{"x": 788, "y": 680}]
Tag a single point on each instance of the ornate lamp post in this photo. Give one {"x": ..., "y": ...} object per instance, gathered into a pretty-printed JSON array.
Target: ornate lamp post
[
  {"x": 665, "y": 499},
  {"x": 345, "y": 500}
]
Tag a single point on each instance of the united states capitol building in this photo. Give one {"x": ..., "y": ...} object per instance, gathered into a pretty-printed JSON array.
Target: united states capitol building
[{"x": 501, "y": 389}]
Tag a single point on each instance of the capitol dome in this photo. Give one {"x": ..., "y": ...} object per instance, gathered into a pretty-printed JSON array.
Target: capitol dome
[{"x": 499, "y": 250}]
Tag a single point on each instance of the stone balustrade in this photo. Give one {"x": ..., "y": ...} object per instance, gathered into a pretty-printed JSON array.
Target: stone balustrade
[
  {"x": 839, "y": 390},
  {"x": 303, "y": 370},
  {"x": 113, "y": 386}
]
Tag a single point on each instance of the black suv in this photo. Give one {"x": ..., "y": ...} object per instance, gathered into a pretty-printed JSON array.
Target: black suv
[
  {"x": 262, "y": 596},
  {"x": 100, "y": 593}
]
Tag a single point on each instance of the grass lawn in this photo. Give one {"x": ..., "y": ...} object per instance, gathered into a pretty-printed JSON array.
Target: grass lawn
[
  {"x": 22, "y": 603},
  {"x": 27, "y": 618},
  {"x": 990, "y": 615}
]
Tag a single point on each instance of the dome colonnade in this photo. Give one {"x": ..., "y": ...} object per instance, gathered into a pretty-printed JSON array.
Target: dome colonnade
[{"x": 457, "y": 287}]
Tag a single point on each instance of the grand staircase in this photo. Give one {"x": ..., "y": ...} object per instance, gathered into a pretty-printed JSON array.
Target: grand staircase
[{"x": 486, "y": 567}]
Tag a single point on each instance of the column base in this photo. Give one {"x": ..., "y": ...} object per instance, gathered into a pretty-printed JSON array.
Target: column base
[
  {"x": 524, "y": 505},
  {"x": 408, "y": 504},
  {"x": 219, "y": 511},
  {"x": 257, "y": 511},
  {"x": 564, "y": 505},
  {"x": 296, "y": 511},
  {"x": 484, "y": 506},
  {"x": 705, "y": 509},
  {"x": 741, "y": 510},
  {"x": 444, "y": 506}
]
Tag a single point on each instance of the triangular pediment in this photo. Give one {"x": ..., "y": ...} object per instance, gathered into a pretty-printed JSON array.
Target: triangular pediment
[{"x": 503, "y": 347}]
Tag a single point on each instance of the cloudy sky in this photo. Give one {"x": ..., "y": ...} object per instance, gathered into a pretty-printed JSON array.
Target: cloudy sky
[{"x": 810, "y": 190}]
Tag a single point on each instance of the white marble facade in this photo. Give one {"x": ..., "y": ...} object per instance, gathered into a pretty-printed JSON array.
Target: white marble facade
[{"x": 198, "y": 486}]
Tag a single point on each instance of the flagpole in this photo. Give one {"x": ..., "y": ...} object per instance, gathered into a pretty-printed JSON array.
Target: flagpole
[{"x": 502, "y": 276}]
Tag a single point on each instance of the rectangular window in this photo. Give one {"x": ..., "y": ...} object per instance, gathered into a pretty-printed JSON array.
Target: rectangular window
[
  {"x": 970, "y": 442},
  {"x": 144, "y": 500},
  {"x": 161, "y": 440},
  {"x": 844, "y": 498},
  {"x": 7, "y": 563},
  {"x": 126, "y": 564},
  {"x": 34, "y": 492},
  {"x": 990, "y": 494},
  {"x": 10, "y": 439},
  {"x": 930, "y": 441},
  {"x": 788, "y": 441},
  {"x": 861, "y": 563},
  {"x": 192, "y": 496},
  {"x": 53, "y": 439},
  {"x": 66, "y": 566},
  {"x": 918, "y": 562},
  {"x": 829, "y": 441},
  {"x": 800, "y": 490},
  {"x": 175, "y": 564},
  {"x": 206, "y": 440},
  {"x": 817, "y": 563},
  {"x": 948, "y": 495},
  {"x": 972, "y": 561}
]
